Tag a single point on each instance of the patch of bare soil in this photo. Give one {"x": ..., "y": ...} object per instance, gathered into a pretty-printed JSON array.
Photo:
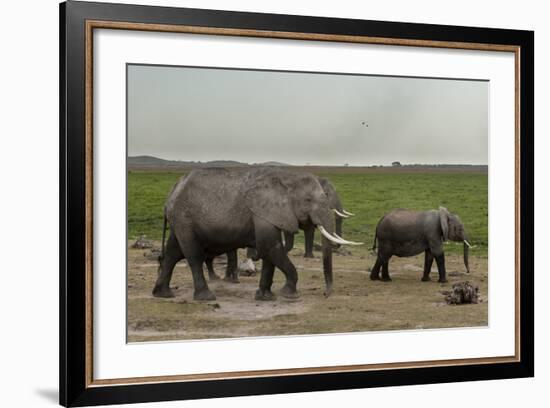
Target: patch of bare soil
[{"x": 357, "y": 303}]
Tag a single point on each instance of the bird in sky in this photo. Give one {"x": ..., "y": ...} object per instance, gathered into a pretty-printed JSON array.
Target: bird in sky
[{"x": 365, "y": 124}]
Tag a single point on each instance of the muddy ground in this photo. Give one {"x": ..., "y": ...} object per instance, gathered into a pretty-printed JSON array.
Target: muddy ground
[{"x": 357, "y": 303}]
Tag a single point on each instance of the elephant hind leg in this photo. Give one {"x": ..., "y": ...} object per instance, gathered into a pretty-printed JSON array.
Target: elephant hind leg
[
  {"x": 172, "y": 255},
  {"x": 195, "y": 256},
  {"x": 210, "y": 266},
  {"x": 385, "y": 271},
  {"x": 375, "y": 271}
]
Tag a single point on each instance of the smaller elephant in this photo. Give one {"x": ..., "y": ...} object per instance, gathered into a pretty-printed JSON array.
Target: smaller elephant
[{"x": 407, "y": 233}]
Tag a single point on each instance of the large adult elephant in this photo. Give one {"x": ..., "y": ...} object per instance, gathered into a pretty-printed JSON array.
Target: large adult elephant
[
  {"x": 231, "y": 273},
  {"x": 407, "y": 233},
  {"x": 214, "y": 211}
]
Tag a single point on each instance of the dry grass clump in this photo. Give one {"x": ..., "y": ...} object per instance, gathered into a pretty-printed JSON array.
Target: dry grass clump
[
  {"x": 142, "y": 243},
  {"x": 462, "y": 292}
]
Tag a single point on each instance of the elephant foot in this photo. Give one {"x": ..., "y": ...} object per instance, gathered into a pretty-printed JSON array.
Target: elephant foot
[
  {"x": 204, "y": 294},
  {"x": 442, "y": 280},
  {"x": 232, "y": 279},
  {"x": 308, "y": 255},
  {"x": 264, "y": 295},
  {"x": 385, "y": 279},
  {"x": 374, "y": 277},
  {"x": 328, "y": 291},
  {"x": 289, "y": 292},
  {"x": 163, "y": 292},
  {"x": 426, "y": 279},
  {"x": 213, "y": 277}
]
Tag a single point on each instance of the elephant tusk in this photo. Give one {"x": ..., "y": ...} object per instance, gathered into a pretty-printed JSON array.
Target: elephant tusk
[
  {"x": 348, "y": 213},
  {"x": 467, "y": 243},
  {"x": 347, "y": 242},
  {"x": 335, "y": 238},
  {"x": 339, "y": 214},
  {"x": 328, "y": 236}
]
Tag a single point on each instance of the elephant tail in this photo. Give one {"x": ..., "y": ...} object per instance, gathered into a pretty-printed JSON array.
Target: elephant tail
[
  {"x": 375, "y": 240},
  {"x": 165, "y": 223}
]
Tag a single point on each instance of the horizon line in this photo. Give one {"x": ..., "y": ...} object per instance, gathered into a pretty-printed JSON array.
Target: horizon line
[{"x": 310, "y": 164}]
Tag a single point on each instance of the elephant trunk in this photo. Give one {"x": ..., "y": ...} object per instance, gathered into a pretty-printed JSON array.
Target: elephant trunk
[
  {"x": 327, "y": 264},
  {"x": 338, "y": 222},
  {"x": 324, "y": 220},
  {"x": 466, "y": 250}
]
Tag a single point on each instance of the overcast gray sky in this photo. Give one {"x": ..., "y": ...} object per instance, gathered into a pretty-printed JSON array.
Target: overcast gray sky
[{"x": 200, "y": 114}]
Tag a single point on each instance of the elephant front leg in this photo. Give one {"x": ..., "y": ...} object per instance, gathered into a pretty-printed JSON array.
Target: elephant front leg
[
  {"x": 266, "y": 280},
  {"x": 280, "y": 259},
  {"x": 309, "y": 235},
  {"x": 272, "y": 251},
  {"x": 231, "y": 273},
  {"x": 440, "y": 260},
  {"x": 428, "y": 262}
]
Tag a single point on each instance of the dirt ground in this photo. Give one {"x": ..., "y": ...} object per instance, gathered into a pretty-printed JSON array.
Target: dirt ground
[{"x": 356, "y": 304}]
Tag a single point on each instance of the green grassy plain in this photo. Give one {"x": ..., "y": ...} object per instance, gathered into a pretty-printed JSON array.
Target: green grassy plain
[{"x": 368, "y": 193}]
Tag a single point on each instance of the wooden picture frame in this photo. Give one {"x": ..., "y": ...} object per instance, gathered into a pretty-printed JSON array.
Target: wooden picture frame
[{"x": 78, "y": 20}]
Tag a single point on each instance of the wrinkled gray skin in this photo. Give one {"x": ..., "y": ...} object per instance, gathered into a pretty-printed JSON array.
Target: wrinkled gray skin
[
  {"x": 215, "y": 211},
  {"x": 407, "y": 233},
  {"x": 231, "y": 274}
]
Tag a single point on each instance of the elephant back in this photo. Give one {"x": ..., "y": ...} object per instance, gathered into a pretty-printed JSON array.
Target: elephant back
[{"x": 203, "y": 192}]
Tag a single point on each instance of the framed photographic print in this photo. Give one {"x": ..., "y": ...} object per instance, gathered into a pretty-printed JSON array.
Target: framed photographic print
[{"x": 256, "y": 203}]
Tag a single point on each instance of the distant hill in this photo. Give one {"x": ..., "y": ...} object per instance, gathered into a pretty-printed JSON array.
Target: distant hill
[
  {"x": 271, "y": 163},
  {"x": 150, "y": 161},
  {"x": 155, "y": 162}
]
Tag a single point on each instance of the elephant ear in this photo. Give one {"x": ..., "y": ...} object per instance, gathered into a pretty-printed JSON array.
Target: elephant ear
[
  {"x": 270, "y": 200},
  {"x": 444, "y": 220}
]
